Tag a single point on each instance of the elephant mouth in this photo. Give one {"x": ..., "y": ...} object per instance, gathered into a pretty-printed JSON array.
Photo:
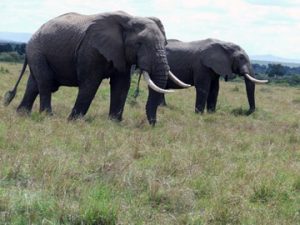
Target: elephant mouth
[{"x": 254, "y": 80}]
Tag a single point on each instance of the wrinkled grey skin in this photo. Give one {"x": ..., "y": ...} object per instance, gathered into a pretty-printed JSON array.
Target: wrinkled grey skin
[
  {"x": 81, "y": 50},
  {"x": 201, "y": 63}
]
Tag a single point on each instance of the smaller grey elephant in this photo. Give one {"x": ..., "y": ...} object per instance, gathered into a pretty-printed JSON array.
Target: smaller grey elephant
[{"x": 201, "y": 63}]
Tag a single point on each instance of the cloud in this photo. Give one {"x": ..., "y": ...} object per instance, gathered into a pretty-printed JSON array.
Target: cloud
[
  {"x": 284, "y": 3},
  {"x": 259, "y": 26}
]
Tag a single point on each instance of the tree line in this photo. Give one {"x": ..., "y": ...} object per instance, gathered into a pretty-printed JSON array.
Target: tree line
[
  {"x": 13, "y": 47},
  {"x": 12, "y": 52},
  {"x": 275, "y": 70},
  {"x": 278, "y": 73}
]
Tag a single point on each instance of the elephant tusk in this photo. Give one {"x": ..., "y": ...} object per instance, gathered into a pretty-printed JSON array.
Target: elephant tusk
[
  {"x": 177, "y": 81},
  {"x": 154, "y": 86},
  {"x": 255, "y": 80}
]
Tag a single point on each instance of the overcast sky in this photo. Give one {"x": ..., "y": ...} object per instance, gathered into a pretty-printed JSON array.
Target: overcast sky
[{"x": 259, "y": 26}]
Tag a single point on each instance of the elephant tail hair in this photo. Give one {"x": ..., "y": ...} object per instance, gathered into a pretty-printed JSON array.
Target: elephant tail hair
[{"x": 9, "y": 95}]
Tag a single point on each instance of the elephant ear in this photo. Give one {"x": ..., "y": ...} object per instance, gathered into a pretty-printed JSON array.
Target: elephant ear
[
  {"x": 160, "y": 26},
  {"x": 216, "y": 58},
  {"x": 106, "y": 35}
]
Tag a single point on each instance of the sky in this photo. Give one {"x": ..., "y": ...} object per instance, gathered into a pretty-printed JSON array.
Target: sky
[{"x": 259, "y": 26}]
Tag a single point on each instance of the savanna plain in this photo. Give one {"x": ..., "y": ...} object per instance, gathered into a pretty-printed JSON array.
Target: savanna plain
[{"x": 221, "y": 168}]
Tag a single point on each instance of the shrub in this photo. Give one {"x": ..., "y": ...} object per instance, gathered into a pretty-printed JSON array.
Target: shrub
[{"x": 11, "y": 57}]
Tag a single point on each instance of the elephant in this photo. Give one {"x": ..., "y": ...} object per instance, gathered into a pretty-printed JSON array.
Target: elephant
[
  {"x": 81, "y": 50},
  {"x": 201, "y": 63}
]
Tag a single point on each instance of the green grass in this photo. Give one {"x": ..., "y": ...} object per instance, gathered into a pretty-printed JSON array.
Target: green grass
[{"x": 221, "y": 168}]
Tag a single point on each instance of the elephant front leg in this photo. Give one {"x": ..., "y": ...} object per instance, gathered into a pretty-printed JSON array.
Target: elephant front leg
[
  {"x": 153, "y": 101},
  {"x": 201, "y": 96},
  {"x": 45, "y": 101},
  {"x": 163, "y": 101},
  {"x": 202, "y": 90},
  {"x": 86, "y": 94},
  {"x": 119, "y": 86},
  {"x": 213, "y": 96}
]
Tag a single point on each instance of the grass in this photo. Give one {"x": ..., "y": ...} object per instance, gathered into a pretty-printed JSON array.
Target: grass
[{"x": 221, "y": 168}]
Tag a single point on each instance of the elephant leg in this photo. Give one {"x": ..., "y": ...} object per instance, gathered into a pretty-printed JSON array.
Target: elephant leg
[
  {"x": 45, "y": 101},
  {"x": 213, "y": 95},
  {"x": 153, "y": 101},
  {"x": 202, "y": 90},
  {"x": 86, "y": 93},
  {"x": 30, "y": 95},
  {"x": 44, "y": 77},
  {"x": 119, "y": 86},
  {"x": 163, "y": 101}
]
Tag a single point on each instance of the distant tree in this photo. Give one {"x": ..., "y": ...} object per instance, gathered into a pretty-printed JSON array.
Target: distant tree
[
  {"x": 275, "y": 70},
  {"x": 294, "y": 80},
  {"x": 293, "y": 71},
  {"x": 259, "y": 69},
  {"x": 20, "y": 48},
  {"x": 5, "y": 47}
]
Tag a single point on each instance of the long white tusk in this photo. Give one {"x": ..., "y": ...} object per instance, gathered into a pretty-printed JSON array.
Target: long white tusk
[
  {"x": 152, "y": 85},
  {"x": 255, "y": 80},
  {"x": 177, "y": 81}
]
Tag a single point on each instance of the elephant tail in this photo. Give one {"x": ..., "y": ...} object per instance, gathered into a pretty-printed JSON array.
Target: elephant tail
[{"x": 9, "y": 95}]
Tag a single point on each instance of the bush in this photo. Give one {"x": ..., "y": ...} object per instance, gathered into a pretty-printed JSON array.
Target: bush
[
  {"x": 3, "y": 70},
  {"x": 11, "y": 57},
  {"x": 294, "y": 80}
]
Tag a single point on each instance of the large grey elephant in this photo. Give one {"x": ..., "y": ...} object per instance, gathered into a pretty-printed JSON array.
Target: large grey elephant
[
  {"x": 81, "y": 50},
  {"x": 200, "y": 63}
]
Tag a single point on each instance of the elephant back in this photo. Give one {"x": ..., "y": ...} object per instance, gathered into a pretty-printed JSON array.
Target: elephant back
[{"x": 60, "y": 36}]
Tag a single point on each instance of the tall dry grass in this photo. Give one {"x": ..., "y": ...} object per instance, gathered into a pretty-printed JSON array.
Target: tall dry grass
[{"x": 221, "y": 168}]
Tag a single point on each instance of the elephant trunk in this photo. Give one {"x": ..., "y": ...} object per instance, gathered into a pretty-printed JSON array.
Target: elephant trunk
[
  {"x": 250, "y": 89},
  {"x": 159, "y": 75}
]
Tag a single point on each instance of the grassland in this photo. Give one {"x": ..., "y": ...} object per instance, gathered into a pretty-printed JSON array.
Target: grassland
[{"x": 221, "y": 168}]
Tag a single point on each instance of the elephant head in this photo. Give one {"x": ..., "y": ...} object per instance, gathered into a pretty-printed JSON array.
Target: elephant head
[
  {"x": 140, "y": 41},
  {"x": 226, "y": 59}
]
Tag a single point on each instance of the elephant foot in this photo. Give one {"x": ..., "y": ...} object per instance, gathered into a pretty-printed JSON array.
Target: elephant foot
[
  {"x": 211, "y": 110},
  {"x": 74, "y": 116},
  {"x": 250, "y": 111},
  {"x": 197, "y": 111},
  {"x": 23, "y": 111},
  {"x": 47, "y": 112},
  {"x": 152, "y": 122},
  {"x": 163, "y": 104},
  {"x": 115, "y": 118}
]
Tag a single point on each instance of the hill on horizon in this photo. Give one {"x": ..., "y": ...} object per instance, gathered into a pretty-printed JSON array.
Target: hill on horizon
[
  {"x": 272, "y": 58},
  {"x": 267, "y": 62},
  {"x": 14, "y": 37}
]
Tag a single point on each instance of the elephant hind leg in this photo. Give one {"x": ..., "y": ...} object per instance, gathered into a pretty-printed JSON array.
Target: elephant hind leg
[
  {"x": 30, "y": 95},
  {"x": 44, "y": 77},
  {"x": 213, "y": 96}
]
